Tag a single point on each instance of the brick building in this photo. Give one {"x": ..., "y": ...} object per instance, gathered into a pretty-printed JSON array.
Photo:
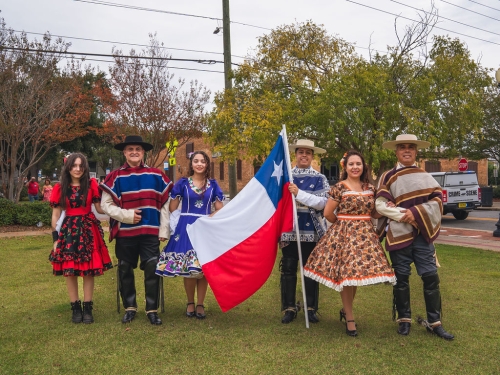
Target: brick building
[
  {"x": 447, "y": 165},
  {"x": 219, "y": 169},
  {"x": 245, "y": 170}
]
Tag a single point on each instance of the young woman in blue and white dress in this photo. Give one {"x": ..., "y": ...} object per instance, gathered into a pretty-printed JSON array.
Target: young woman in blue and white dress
[{"x": 196, "y": 194}]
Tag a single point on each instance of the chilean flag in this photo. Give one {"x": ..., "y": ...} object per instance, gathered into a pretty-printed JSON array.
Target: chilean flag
[{"x": 237, "y": 247}]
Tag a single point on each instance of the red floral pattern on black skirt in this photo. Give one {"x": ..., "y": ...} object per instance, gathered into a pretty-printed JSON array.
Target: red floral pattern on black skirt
[{"x": 76, "y": 241}]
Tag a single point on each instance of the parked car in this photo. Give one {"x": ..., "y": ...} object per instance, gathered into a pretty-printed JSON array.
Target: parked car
[{"x": 461, "y": 192}]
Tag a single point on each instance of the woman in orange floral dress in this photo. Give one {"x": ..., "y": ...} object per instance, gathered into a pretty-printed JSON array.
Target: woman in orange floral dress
[{"x": 349, "y": 254}]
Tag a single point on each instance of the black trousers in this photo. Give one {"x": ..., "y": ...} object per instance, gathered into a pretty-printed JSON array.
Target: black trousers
[
  {"x": 288, "y": 266},
  {"x": 128, "y": 251},
  {"x": 421, "y": 254}
]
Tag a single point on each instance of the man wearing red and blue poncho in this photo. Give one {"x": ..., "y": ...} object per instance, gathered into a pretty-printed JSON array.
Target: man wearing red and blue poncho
[{"x": 135, "y": 197}]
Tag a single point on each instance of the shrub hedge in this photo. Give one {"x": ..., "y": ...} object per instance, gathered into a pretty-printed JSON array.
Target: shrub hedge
[
  {"x": 496, "y": 192},
  {"x": 7, "y": 212},
  {"x": 25, "y": 213},
  {"x": 33, "y": 213}
]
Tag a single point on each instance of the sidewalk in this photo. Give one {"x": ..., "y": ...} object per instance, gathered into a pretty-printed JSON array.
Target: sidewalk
[
  {"x": 495, "y": 207},
  {"x": 480, "y": 239},
  {"x": 47, "y": 232}
]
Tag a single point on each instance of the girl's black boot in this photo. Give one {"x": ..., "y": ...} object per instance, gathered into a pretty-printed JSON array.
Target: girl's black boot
[
  {"x": 77, "y": 311},
  {"x": 87, "y": 312}
]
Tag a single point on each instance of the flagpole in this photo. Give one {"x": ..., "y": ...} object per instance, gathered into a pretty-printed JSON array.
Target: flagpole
[{"x": 296, "y": 223}]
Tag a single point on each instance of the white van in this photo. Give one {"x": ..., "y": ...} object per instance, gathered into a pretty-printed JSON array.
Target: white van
[{"x": 461, "y": 192}]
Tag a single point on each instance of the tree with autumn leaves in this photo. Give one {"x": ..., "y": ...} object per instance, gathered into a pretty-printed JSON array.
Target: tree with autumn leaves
[
  {"x": 42, "y": 104},
  {"x": 150, "y": 102},
  {"x": 46, "y": 108},
  {"x": 321, "y": 89}
]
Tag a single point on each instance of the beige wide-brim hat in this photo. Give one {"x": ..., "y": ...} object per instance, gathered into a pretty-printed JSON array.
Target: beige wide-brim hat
[
  {"x": 305, "y": 143},
  {"x": 405, "y": 138}
]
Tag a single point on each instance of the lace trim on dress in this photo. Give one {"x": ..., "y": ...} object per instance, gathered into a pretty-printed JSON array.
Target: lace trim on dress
[{"x": 362, "y": 281}]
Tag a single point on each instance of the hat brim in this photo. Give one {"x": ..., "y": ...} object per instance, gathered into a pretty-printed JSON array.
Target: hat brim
[
  {"x": 317, "y": 150},
  {"x": 391, "y": 145},
  {"x": 146, "y": 146}
]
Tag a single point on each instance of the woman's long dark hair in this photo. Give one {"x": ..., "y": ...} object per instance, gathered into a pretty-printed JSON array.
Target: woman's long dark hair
[
  {"x": 66, "y": 178},
  {"x": 364, "y": 176},
  {"x": 207, "y": 162}
]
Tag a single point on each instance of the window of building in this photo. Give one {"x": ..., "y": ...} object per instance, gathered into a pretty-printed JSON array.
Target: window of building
[
  {"x": 189, "y": 148},
  {"x": 92, "y": 166},
  {"x": 432, "y": 166},
  {"x": 256, "y": 169},
  {"x": 331, "y": 172},
  {"x": 212, "y": 170},
  {"x": 221, "y": 171},
  {"x": 472, "y": 166},
  {"x": 239, "y": 172}
]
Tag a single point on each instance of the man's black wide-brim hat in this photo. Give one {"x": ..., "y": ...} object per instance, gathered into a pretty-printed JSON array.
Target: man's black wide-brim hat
[{"x": 134, "y": 140}]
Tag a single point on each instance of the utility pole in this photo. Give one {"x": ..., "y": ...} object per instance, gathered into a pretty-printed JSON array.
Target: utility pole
[{"x": 228, "y": 84}]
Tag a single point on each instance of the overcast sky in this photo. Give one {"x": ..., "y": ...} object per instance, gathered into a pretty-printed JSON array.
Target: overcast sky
[{"x": 356, "y": 22}]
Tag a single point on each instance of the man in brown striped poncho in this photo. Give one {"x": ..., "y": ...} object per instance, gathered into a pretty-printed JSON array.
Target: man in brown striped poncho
[{"x": 410, "y": 200}]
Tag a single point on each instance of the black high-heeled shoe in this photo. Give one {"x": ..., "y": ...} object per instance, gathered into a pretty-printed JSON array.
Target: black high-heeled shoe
[
  {"x": 190, "y": 314},
  {"x": 342, "y": 314},
  {"x": 352, "y": 333},
  {"x": 200, "y": 315}
]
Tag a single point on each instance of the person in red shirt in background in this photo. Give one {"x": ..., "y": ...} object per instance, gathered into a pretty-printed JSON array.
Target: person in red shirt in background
[{"x": 33, "y": 189}]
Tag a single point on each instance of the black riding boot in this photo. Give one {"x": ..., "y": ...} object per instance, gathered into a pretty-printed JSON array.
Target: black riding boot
[
  {"x": 127, "y": 290},
  {"x": 87, "y": 312},
  {"x": 401, "y": 292},
  {"x": 77, "y": 311},
  {"x": 432, "y": 297},
  {"x": 152, "y": 287},
  {"x": 288, "y": 288},
  {"x": 312, "y": 297}
]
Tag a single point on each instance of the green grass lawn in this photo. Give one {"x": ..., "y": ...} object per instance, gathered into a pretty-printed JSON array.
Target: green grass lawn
[{"x": 37, "y": 336}]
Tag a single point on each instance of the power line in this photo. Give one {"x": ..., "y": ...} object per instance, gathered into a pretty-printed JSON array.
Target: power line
[
  {"x": 168, "y": 48},
  {"x": 113, "y": 56},
  {"x": 468, "y": 10},
  {"x": 107, "y": 55},
  {"x": 124, "y": 43},
  {"x": 169, "y": 67},
  {"x": 117, "y": 5},
  {"x": 100, "y": 2},
  {"x": 31, "y": 51},
  {"x": 436, "y": 27},
  {"x": 448, "y": 19},
  {"x": 486, "y": 6}
]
